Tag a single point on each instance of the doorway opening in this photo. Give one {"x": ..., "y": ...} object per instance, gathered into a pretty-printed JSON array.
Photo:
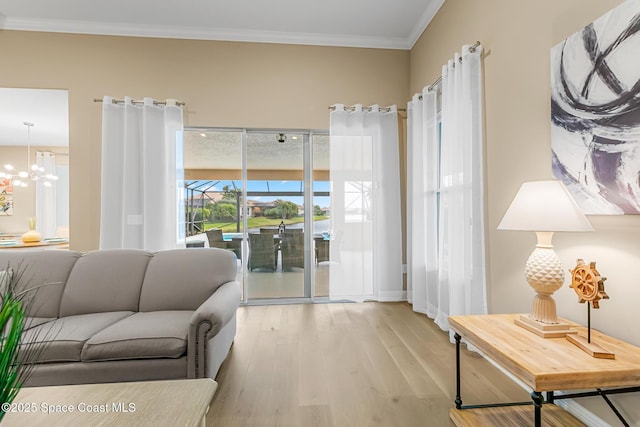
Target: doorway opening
[{"x": 265, "y": 195}]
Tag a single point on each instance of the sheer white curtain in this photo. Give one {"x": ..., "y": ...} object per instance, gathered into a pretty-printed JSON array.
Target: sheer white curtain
[
  {"x": 449, "y": 279},
  {"x": 422, "y": 202},
  {"x": 46, "y": 216},
  {"x": 140, "y": 175},
  {"x": 366, "y": 246}
]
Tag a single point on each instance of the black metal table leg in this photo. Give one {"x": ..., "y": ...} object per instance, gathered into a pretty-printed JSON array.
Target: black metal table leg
[
  {"x": 538, "y": 400},
  {"x": 604, "y": 394},
  {"x": 613, "y": 408},
  {"x": 458, "y": 400}
]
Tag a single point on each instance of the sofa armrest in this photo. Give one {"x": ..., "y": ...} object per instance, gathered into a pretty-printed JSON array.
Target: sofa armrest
[{"x": 206, "y": 322}]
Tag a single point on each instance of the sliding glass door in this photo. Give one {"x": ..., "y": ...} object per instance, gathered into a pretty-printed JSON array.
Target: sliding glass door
[
  {"x": 323, "y": 237},
  {"x": 276, "y": 214},
  {"x": 260, "y": 194}
]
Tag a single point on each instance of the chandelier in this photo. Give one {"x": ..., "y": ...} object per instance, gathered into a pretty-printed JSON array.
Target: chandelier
[{"x": 33, "y": 173}]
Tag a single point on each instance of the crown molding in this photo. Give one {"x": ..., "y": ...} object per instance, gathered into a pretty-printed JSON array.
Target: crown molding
[
  {"x": 113, "y": 29},
  {"x": 426, "y": 18}
]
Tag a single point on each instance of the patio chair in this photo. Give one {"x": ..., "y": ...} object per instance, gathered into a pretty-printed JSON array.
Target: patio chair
[
  {"x": 235, "y": 246},
  {"x": 215, "y": 238},
  {"x": 262, "y": 250},
  {"x": 292, "y": 250},
  {"x": 322, "y": 249},
  {"x": 271, "y": 231}
]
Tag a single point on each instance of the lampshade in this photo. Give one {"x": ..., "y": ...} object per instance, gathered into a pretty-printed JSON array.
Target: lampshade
[{"x": 544, "y": 206}]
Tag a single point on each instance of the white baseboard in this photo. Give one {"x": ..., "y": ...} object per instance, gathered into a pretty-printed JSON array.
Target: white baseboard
[
  {"x": 392, "y": 296},
  {"x": 581, "y": 413}
]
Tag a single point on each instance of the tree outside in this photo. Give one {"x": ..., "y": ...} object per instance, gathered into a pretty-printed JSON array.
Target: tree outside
[{"x": 284, "y": 209}]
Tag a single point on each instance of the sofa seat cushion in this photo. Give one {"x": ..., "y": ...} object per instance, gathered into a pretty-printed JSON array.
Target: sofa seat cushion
[
  {"x": 62, "y": 340},
  {"x": 148, "y": 335}
]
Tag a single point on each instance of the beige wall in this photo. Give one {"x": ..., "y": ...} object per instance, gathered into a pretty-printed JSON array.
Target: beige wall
[
  {"x": 517, "y": 37},
  {"x": 223, "y": 84}
]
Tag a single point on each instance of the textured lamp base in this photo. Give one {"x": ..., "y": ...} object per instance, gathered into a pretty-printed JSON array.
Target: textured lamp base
[
  {"x": 545, "y": 275},
  {"x": 544, "y": 330}
]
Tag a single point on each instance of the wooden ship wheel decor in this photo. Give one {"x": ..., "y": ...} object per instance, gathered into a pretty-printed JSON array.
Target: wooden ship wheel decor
[{"x": 588, "y": 284}]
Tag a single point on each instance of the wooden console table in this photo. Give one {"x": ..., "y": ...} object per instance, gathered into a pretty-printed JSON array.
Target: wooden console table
[
  {"x": 43, "y": 244},
  {"x": 543, "y": 364}
]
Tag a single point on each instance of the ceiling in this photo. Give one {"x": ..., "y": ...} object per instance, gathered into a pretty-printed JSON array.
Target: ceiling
[
  {"x": 393, "y": 24},
  {"x": 266, "y": 150},
  {"x": 47, "y": 109}
]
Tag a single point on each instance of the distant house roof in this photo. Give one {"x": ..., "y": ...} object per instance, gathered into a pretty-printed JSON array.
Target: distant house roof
[
  {"x": 214, "y": 196},
  {"x": 258, "y": 204}
]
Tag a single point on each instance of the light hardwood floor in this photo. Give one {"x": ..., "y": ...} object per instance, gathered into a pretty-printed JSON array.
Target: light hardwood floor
[{"x": 370, "y": 364}]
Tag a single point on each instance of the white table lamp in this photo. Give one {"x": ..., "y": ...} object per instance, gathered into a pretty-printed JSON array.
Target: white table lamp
[{"x": 544, "y": 207}]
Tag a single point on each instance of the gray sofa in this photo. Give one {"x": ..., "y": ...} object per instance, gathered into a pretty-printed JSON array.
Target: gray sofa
[{"x": 127, "y": 315}]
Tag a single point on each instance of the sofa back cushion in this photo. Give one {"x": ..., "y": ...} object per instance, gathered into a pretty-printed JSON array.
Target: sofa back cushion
[
  {"x": 182, "y": 279},
  {"x": 44, "y": 271},
  {"x": 105, "y": 280}
]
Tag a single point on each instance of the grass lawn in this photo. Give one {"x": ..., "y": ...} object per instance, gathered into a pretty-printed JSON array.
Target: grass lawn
[{"x": 257, "y": 222}]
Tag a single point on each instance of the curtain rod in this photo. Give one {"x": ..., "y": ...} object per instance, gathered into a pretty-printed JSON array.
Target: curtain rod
[
  {"x": 121, "y": 101},
  {"x": 435, "y": 84},
  {"x": 353, "y": 108}
]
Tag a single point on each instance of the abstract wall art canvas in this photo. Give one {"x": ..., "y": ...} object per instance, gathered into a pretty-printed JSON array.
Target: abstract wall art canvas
[
  {"x": 595, "y": 112},
  {"x": 6, "y": 205},
  {"x": 6, "y": 186}
]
